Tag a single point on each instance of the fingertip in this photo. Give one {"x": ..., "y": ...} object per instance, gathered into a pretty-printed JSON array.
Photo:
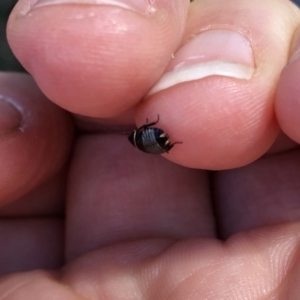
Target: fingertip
[
  {"x": 213, "y": 136},
  {"x": 96, "y": 60},
  {"x": 217, "y": 94}
]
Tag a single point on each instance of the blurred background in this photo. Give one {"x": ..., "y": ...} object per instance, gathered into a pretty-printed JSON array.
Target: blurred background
[{"x": 7, "y": 60}]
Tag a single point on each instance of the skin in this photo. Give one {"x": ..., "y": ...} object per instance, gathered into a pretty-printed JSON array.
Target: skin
[{"x": 84, "y": 215}]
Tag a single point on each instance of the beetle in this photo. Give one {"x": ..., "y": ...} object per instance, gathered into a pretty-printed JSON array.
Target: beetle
[{"x": 150, "y": 139}]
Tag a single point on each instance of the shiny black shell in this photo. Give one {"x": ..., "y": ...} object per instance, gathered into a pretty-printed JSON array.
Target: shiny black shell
[{"x": 150, "y": 139}]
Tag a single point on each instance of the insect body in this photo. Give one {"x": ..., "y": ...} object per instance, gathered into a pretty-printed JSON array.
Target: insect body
[{"x": 151, "y": 140}]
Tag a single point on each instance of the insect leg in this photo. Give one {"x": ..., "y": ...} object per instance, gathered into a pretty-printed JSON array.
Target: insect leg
[{"x": 151, "y": 124}]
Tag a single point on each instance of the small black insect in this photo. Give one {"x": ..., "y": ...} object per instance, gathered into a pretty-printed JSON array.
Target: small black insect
[{"x": 151, "y": 140}]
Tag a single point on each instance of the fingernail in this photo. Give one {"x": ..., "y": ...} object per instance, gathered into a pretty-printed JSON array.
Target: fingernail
[
  {"x": 10, "y": 117},
  {"x": 143, "y": 6},
  {"x": 214, "y": 52}
]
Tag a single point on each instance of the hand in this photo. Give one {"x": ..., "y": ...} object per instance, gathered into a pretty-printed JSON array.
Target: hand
[{"x": 85, "y": 215}]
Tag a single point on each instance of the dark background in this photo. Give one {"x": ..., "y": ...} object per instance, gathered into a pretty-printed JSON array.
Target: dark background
[{"x": 7, "y": 60}]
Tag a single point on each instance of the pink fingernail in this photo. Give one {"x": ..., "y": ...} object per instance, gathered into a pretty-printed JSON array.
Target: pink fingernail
[{"x": 213, "y": 52}]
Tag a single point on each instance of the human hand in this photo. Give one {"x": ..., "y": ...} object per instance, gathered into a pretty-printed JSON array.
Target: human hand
[{"x": 115, "y": 223}]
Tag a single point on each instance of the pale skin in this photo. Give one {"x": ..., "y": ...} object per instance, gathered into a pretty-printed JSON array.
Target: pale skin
[{"x": 87, "y": 216}]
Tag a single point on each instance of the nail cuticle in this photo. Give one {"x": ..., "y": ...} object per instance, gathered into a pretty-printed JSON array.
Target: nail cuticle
[{"x": 11, "y": 119}]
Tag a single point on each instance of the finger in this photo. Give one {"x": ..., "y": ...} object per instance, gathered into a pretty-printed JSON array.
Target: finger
[
  {"x": 96, "y": 60},
  {"x": 287, "y": 96},
  {"x": 127, "y": 194},
  {"x": 261, "y": 264},
  {"x": 36, "y": 284},
  {"x": 35, "y": 137},
  {"x": 264, "y": 193},
  {"x": 164, "y": 269},
  {"x": 217, "y": 93}
]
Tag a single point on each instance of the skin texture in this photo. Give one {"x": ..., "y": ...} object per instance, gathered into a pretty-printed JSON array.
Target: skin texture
[{"x": 85, "y": 215}]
